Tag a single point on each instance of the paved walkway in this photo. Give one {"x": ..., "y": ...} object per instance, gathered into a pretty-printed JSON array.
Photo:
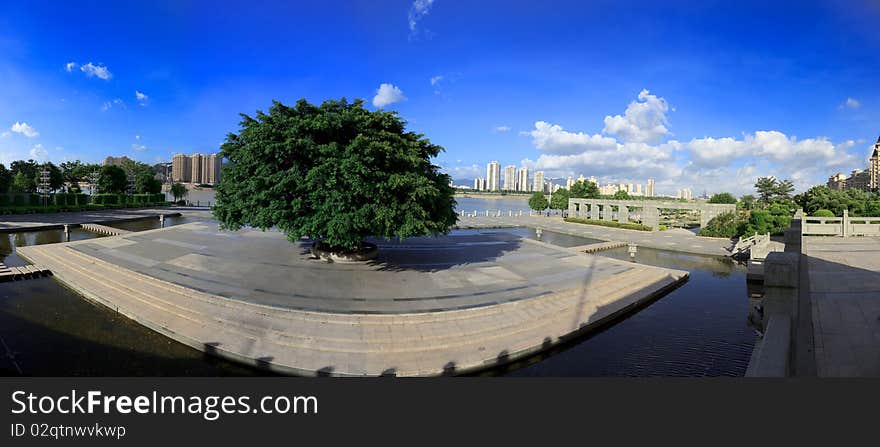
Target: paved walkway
[
  {"x": 675, "y": 239},
  {"x": 844, "y": 276},
  {"x": 426, "y": 306},
  {"x": 36, "y": 222}
]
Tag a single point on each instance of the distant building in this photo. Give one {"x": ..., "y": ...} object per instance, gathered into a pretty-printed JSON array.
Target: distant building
[
  {"x": 837, "y": 181},
  {"x": 493, "y": 176},
  {"x": 569, "y": 182},
  {"x": 539, "y": 181},
  {"x": 522, "y": 179},
  {"x": 510, "y": 178},
  {"x": 864, "y": 179},
  {"x": 649, "y": 189},
  {"x": 196, "y": 168},
  {"x": 116, "y": 161}
]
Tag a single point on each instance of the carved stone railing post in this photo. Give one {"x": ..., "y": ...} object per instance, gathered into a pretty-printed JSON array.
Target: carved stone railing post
[{"x": 845, "y": 222}]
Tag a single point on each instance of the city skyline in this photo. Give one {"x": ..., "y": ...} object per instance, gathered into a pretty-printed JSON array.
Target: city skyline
[{"x": 707, "y": 104}]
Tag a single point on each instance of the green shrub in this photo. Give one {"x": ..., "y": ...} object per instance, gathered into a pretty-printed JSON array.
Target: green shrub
[
  {"x": 18, "y": 200},
  {"x": 722, "y": 225},
  {"x": 34, "y": 200},
  {"x": 59, "y": 199},
  {"x": 763, "y": 222},
  {"x": 823, "y": 213},
  {"x": 4, "y": 199},
  {"x": 609, "y": 223},
  {"x": 82, "y": 199},
  {"x": 105, "y": 199}
]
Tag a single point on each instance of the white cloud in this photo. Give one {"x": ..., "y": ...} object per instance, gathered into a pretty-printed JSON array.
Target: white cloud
[
  {"x": 436, "y": 79},
  {"x": 851, "y": 103},
  {"x": 38, "y": 153},
  {"x": 100, "y": 71},
  {"x": 418, "y": 11},
  {"x": 138, "y": 147},
  {"x": 553, "y": 139},
  {"x": 5, "y": 134},
  {"x": 502, "y": 129},
  {"x": 464, "y": 172},
  {"x": 24, "y": 129},
  {"x": 137, "y": 137},
  {"x": 141, "y": 98},
  {"x": 109, "y": 104},
  {"x": 70, "y": 66},
  {"x": 643, "y": 121},
  {"x": 387, "y": 94},
  {"x": 712, "y": 163}
]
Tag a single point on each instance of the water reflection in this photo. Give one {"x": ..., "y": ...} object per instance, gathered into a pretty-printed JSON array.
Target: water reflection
[
  {"x": 699, "y": 329},
  {"x": 51, "y": 331}
]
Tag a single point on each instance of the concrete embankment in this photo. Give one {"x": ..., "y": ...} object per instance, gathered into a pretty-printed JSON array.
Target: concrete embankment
[{"x": 428, "y": 306}]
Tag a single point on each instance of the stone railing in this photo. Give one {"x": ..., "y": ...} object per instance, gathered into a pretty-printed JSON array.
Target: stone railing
[
  {"x": 773, "y": 355},
  {"x": 507, "y": 213},
  {"x": 648, "y": 211},
  {"x": 845, "y": 226}
]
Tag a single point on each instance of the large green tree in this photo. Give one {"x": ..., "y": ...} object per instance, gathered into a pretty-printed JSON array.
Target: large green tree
[
  {"x": 584, "y": 190},
  {"x": 337, "y": 171},
  {"x": 559, "y": 200},
  {"x": 766, "y": 188},
  {"x": 147, "y": 183},
  {"x": 538, "y": 202},
  {"x": 112, "y": 179}
]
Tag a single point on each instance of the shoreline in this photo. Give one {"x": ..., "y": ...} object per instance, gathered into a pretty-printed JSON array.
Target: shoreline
[{"x": 491, "y": 196}]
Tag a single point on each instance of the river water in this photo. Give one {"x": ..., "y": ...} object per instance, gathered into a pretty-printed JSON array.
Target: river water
[{"x": 699, "y": 329}]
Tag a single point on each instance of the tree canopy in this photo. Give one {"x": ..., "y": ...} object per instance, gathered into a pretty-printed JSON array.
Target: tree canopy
[
  {"x": 112, "y": 179},
  {"x": 337, "y": 171},
  {"x": 620, "y": 195},
  {"x": 584, "y": 190},
  {"x": 147, "y": 183},
  {"x": 722, "y": 197},
  {"x": 538, "y": 202},
  {"x": 770, "y": 189},
  {"x": 858, "y": 202},
  {"x": 559, "y": 199},
  {"x": 178, "y": 190}
]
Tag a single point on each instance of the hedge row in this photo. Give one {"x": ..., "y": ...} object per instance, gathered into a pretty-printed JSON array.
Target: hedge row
[{"x": 609, "y": 223}]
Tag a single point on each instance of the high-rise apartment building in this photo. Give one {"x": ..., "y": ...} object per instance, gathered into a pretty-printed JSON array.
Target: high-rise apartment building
[
  {"x": 510, "y": 178},
  {"x": 539, "y": 181},
  {"x": 522, "y": 179},
  {"x": 493, "y": 176},
  {"x": 649, "y": 189},
  {"x": 569, "y": 182},
  {"x": 196, "y": 168}
]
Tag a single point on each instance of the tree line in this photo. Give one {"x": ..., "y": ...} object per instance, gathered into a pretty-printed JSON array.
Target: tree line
[{"x": 25, "y": 176}]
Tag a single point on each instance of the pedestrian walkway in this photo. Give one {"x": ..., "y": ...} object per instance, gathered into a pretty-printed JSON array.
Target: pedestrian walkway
[
  {"x": 674, "y": 240},
  {"x": 844, "y": 286}
]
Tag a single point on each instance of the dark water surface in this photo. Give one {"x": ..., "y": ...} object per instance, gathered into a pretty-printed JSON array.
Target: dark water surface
[
  {"x": 699, "y": 329},
  {"x": 49, "y": 330}
]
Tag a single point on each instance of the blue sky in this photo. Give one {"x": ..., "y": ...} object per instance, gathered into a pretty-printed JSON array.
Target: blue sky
[{"x": 706, "y": 95}]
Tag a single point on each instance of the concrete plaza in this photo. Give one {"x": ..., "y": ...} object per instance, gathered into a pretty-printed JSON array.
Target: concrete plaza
[
  {"x": 844, "y": 290},
  {"x": 426, "y": 306}
]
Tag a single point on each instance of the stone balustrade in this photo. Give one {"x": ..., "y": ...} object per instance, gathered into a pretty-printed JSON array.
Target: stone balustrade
[
  {"x": 647, "y": 211},
  {"x": 844, "y": 226}
]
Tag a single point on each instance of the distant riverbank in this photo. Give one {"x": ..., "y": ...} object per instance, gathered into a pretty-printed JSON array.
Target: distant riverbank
[{"x": 471, "y": 195}]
